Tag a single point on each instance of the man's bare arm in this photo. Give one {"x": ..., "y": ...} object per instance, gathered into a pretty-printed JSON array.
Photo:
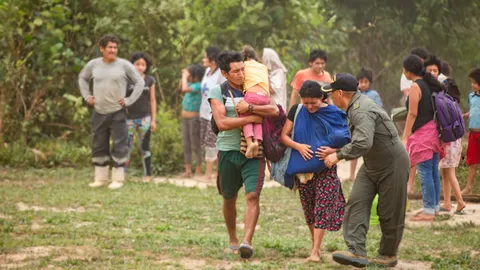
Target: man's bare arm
[
  {"x": 263, "y": 110},
  {"x": 228, "y": 123}
]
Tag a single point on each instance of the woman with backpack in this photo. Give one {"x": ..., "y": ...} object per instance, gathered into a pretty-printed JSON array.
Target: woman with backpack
[
  {"x": 320, "y": 193},
  {"x": 421, "y": 135}
]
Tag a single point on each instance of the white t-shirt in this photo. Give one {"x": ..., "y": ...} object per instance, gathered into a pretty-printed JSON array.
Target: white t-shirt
[
  {"x": 406, "y": 83},
  {"x": 208, "y": 82}
]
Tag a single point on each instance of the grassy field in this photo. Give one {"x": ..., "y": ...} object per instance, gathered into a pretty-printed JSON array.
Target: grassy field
[{"x": 51, "y": 219}]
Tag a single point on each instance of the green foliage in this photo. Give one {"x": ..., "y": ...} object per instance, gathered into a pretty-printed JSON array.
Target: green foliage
[{"x": 45, "y": 43}]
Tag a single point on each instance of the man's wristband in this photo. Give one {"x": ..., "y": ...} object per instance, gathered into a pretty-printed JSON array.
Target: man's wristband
[{"x": 250, "y": 107}]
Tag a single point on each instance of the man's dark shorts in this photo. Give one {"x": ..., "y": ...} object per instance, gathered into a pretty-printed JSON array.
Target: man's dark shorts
[{"x": 235, "y": 170}]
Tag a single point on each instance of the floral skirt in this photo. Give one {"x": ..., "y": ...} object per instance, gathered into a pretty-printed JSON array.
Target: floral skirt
[{"x": 322, "y": 200}]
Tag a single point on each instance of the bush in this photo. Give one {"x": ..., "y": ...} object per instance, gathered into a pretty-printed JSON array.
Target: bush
[{"x": 165, "y": 144}]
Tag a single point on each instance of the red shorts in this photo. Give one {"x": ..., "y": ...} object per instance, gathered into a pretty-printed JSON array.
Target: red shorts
[{"x": 473, "y": 148}]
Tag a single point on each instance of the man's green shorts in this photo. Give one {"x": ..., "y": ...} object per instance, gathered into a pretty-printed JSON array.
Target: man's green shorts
[{"x": 235, "y": 170}]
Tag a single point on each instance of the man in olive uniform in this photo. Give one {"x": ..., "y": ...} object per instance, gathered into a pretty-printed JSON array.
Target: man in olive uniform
[{"x": 384, "y": 172}]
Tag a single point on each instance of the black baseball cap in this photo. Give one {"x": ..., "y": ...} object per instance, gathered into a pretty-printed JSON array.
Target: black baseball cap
[{"x": 342, "y": 81}]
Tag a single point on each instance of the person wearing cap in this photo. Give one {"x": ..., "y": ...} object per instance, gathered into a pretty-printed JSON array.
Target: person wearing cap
[{"x": 384, "y": 172}]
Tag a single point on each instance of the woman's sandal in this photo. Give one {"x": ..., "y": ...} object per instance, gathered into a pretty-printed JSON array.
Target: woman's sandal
[{"x": 460, "y": 211}]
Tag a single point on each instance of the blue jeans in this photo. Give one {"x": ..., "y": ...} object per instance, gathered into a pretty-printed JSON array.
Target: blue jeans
[{"x": 430, "y": 178}]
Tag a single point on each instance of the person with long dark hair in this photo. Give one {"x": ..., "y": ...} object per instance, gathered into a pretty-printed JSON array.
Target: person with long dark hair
[
  {"x": 321, "y": 193},
  {"x": 423, "y": 144},
  {"x": 141, "y": 115}
]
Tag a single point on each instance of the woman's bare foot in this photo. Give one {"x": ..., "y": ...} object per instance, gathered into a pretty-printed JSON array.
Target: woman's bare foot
[
  {"x": 423, "y": 217},
  {"x": 147, "y": 179},
  {"x": 314, "y": 257},
  {"x": 446, "y": 208},
  {"x": 460, "y": 207},
  {"x": 466, "y": 191}
]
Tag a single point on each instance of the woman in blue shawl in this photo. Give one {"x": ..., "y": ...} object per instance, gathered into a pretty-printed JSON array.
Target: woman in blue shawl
[{"x": 315, "y": 123}]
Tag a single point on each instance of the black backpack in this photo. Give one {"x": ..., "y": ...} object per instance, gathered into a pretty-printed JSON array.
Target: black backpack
[{"x": 225, "y": 95}]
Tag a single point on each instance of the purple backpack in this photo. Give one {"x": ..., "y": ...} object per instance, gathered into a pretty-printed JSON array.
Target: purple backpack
[
  {"x": 448, "y": 117},
  {"x": 272, "y": 130}
]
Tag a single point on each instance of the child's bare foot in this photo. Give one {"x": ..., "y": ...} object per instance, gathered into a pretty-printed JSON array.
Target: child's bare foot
[
  {"x": 204, "y": 179},
  {"x": 250, "y": 150},
  {"x": 185, "y": 175},
  {"x": 255, "y": 153},
  {"x": 147, "y": 179}
]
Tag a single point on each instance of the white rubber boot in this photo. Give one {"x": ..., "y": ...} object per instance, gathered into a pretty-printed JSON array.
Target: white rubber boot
[
  {"x": 101, "y": 177},
  {"x": 118, "y": 178}
]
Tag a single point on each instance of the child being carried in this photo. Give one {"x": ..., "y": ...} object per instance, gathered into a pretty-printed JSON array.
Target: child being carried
[{"x": 256, "y": 92}]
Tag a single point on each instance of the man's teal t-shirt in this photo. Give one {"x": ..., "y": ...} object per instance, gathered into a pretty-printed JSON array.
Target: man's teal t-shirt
[{"x": 228, "y": 140}]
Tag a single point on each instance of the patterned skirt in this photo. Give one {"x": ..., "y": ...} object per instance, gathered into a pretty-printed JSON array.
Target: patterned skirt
[{"x": 322, "y": 200}]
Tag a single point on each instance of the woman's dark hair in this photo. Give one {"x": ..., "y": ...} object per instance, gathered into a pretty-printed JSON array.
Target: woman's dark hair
[
  {"x": 212, "y": 53},
  {"x": 414, "y": 64},
  {"x": 475, "y": 75},
  {"x": 227, "y": 57},
  {"x": 433, "y": 60},
  {"x": 420, "y": 52},
  {"x": 365, "y": 73},
  {"x": 312, "y": 89},
  {"x": 446, "y": 69},
  {"x": 103, "y": 42},
  {"x": 315, "y": 54},
  {"x": 451, "y": 88},
  {"x": 141, "y": 55},
  {"x": 249, "y": 53},
  {"x": 196, "y": 72}
]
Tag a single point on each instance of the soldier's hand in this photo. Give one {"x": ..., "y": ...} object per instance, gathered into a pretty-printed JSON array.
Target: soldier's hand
[
  {"x": 305, "y": 150},
  {"x": 323, "y": 151},
  {"x": 331, "y": 160}
]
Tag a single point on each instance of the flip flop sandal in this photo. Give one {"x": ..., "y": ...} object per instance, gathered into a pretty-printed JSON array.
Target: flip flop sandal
[
  {"x": 246, "y": 251},
  {"x": 231, "y": 250},
  {"x": 461, "y": 212},
  {"x": 444, "y": 210}
]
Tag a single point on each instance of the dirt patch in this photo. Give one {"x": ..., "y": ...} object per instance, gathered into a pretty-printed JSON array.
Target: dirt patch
[
  {"x": 24, "y": 207},
  {"x": 24, "y": 256},
  {"x": 5, "y": 217},
  {"x": 413, "y": 265}
]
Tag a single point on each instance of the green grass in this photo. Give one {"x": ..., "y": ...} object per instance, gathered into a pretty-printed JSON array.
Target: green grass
[{"x": 148, "y": 226}]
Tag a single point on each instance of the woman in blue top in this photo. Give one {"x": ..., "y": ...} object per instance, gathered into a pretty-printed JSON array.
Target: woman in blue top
[
  {"x": 320, "y": 193},
  {"x": 191, "y": 78}
]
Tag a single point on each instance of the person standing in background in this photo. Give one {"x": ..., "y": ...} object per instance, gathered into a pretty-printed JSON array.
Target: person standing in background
[
  {"x": 316, "y": 72},
  {"x": 278, "y": 76},
  {"x": 212, "y": 77},
  {"x": 110, "y": 76},
  {"x": 141, "y": 115}
]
